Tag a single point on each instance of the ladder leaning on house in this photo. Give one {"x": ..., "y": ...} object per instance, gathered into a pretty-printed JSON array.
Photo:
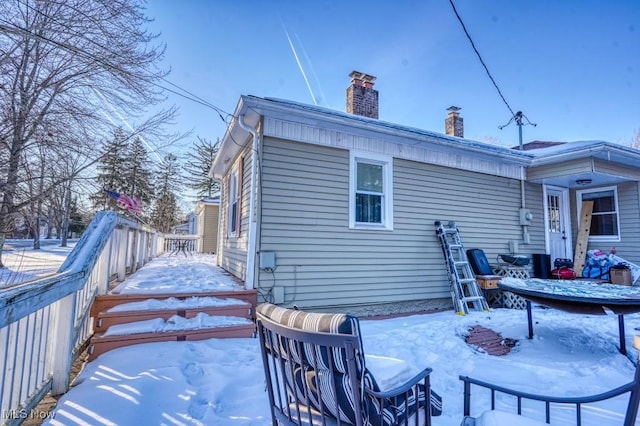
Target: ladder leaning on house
[{"x": 465, "y": 292}]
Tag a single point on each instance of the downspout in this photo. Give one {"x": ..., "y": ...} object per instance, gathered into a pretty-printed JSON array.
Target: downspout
[
  {"x": 524, "y": 214},
  {"x": 251, "y": 246},
  {"x": 526, "y": 237}
]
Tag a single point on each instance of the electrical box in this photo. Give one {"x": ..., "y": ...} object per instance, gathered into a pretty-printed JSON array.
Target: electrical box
[
  {"x": 278, "y": 295},
  {"x": 525, "y": 217},
  {"x": 268, "y": 260}
]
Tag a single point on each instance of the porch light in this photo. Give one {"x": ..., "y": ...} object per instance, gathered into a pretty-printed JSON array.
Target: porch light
[{"x": 583, "y": 181}]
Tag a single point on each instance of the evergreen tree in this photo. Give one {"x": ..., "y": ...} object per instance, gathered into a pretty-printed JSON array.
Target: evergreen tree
[
  {"x": 166, "y": 212},
  {"x": 137, "y": 173},
  {"x": 77, "y": 222},
  {"x": 197, "y": 166},
  {"x": 110, "y": 171}
]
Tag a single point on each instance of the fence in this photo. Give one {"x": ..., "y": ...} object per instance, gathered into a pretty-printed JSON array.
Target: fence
[
  {"x": 44, "y": 323},
  {"x": 181, "y": 243}
]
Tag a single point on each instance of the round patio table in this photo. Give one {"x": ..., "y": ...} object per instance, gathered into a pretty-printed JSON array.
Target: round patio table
[{"x": 577, "y": 296}]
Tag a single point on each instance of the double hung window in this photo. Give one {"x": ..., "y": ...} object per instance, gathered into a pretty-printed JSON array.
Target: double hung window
[
  {"x": 605, "y": 218},
  {"x": 234, "y": 191},
  {"x": 370, "y": 192}
]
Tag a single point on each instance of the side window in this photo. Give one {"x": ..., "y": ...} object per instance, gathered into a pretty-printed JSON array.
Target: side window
[
  {"x": 370, "y": 195},
  {"x": 605, "y": 222},
  {"x": 233, "y": 203},
  {"x": 235, "y": 199}
]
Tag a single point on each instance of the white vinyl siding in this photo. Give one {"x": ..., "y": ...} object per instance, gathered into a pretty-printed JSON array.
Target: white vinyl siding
[
  {"x": 323, "y": 263},
  {"x": 232, "y": 248}
]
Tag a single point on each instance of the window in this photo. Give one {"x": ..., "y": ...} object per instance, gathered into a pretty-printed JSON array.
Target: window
[
  {"x": 604, "y": 219},
  {"x": 370, "y": 197},
  {"x": 235, "y": 190}
]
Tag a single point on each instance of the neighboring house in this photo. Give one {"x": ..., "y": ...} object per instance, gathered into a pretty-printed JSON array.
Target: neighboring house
[
  {"x": 181, "y": 229},
  {"x": 325, "y": 209},
  {"x": 207, "y": 213},
  {"x": 189, "y": 227}
]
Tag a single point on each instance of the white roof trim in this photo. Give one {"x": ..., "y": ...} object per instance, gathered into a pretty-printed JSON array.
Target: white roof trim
[
  {"x": 322, "y": 126},
  {"x": 421, "y": 152}
]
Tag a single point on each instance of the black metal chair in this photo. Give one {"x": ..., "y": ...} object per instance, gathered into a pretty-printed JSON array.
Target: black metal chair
[
  {"x": 316, "y": 374},
  {"x": 633, "y": 388}
]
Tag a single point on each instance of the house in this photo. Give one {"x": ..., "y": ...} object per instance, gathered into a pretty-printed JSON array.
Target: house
[
  {"x": 207, "y": 214},
  {"x": 330, "y": 210},
  {"x": 188, "y": 227}
]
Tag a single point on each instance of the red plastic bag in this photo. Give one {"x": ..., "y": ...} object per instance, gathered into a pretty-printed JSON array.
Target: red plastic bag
[{"x": 563, "y": 273}]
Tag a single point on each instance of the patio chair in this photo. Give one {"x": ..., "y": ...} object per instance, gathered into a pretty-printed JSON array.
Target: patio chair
[
  {"x": 632, "y": 388},
  {"x": 316, "y": 374}
]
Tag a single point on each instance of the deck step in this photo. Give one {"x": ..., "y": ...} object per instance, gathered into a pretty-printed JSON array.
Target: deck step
[
  {"x": 107, "y": 301},
  {"x": 106, "y": 341},
  {"x": 108, "y": 318}
]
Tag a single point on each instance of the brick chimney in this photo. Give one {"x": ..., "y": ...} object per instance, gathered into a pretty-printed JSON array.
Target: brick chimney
[
  {"x": 362, "y": 99},
  {"x": 454, "y": 124}
]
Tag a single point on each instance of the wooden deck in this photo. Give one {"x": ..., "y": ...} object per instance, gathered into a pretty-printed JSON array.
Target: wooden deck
[
  {"x": 102, "y": 342},
  {"x": 106, "y": 319}
]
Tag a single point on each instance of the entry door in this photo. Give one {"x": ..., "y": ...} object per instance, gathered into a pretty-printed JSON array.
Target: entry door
[{"x": 557, "y": 217}]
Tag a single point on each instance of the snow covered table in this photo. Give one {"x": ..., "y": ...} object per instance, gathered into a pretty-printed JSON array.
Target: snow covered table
[{"x": 576, "y": 296}]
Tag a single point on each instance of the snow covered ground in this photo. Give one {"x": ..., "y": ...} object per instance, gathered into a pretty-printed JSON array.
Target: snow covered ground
[
  {"x": 22, "y": 263},
  {"x": 220, "y": 381}
]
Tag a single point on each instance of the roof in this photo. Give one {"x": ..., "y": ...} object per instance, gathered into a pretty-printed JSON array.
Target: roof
[
  {"x": 580, "y": 149},
  {"x": 537, "y": 145},
  {"x": 251, "y": 109}
]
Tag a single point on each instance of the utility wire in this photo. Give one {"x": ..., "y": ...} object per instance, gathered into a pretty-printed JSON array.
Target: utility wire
[
  {"x": 480, "y": 57},
  {"x": 84, "y": 37},
  {"x": 80, "y": 52}
]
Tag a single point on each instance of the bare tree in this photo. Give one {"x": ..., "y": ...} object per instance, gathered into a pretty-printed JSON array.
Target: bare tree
[{"x": 62, "y": 63}]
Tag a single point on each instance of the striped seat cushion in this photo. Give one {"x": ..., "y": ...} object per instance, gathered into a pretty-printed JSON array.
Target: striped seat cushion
[{"x": 314, "y": 368}]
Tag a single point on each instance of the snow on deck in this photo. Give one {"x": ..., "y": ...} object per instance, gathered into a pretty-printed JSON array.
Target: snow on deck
[
  {"x": 179, "y": 274},
  {"x": 176, "y": 323},
  {"x": 173, "y": 303}
]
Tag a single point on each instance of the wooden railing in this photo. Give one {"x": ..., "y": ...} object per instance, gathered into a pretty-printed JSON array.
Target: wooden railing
[{"x": 44, "y": 323}]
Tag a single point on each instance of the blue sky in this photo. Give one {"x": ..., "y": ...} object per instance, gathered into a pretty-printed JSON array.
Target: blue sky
[{"x": 573, "y": 67}]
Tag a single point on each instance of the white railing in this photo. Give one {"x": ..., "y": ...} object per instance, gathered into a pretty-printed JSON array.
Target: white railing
[
  {"x": 44, "y": 323},
  {"x": 181, "y": 243}
]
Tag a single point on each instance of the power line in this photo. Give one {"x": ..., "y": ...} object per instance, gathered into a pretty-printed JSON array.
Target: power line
[
  {"x": 83, "y": 36},
  {"x": 74, "y": 49},
  {"x": 480, "y": 57}
]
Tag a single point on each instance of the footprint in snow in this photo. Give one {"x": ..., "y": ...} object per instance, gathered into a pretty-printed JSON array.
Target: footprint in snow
[
  {"x": 193, "y": 372},
  {"x": 198, "y": 407}
]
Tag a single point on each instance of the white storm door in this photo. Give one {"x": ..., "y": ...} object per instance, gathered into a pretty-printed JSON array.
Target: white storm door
[{"x": 557, "y": 223}]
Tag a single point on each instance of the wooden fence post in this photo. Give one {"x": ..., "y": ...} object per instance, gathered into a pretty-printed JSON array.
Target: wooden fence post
[{"x": 63, "y": 344}]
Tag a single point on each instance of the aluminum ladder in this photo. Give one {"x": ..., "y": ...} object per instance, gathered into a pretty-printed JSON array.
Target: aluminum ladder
[{"x": 465, "y": 292}]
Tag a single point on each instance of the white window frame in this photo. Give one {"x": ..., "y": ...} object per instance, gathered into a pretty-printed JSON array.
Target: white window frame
[
  {"x": 617, "y": 211},
  {"x": 234, "y": 198},
  {"x": 386, "y": 162}
]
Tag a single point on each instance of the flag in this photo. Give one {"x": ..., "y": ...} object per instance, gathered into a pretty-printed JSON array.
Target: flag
[{"x": 130, "y": 204}]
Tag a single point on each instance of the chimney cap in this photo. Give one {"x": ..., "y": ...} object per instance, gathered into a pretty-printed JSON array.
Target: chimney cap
[
  {"x": 357, "y": 75},
  {"x": 453, "y": 108}
]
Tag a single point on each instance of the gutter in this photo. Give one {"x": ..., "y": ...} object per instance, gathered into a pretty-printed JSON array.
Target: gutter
[
  {"x": 251, "y": 246},
  {"x": 583, "y": 152}
]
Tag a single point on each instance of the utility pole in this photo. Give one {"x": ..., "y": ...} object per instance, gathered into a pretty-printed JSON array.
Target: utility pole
[
  {"x": 524, "y": 213},
  {"x": 518, "y": 117}
]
